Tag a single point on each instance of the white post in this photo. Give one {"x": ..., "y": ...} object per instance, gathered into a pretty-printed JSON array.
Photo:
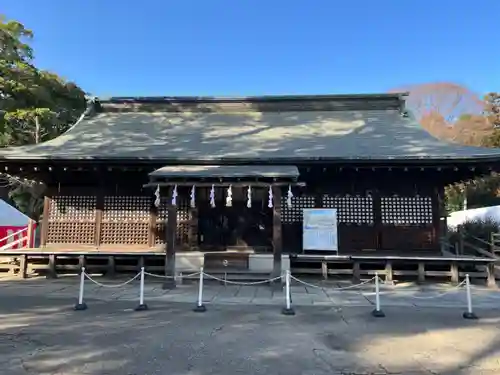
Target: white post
[
  {"x": 377, "y": 313},
  {"x": 200, "y": 307},
  {"x": 80, "y": 306},
  {"x": 288, "y": 310},
  {"x": 142, "y": 306},
  {"x": 469, "y": 314},
  {"x": 287, "y": 288}
]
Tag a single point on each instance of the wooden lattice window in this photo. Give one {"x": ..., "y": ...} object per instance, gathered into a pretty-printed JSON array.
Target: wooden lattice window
[
  {"x": 295, "y": 213},
  {"x": 125, "y": 220},
  {"x": 182, "y": 220},
  {"x": 406, "y": 210},
  {"x": 351, "y": 209},
  {"x": 72, "y": 220}
]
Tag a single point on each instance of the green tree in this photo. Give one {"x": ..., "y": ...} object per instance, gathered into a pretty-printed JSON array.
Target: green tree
[
  {"x": 492, "y": 113},
  {"x": 35, "y": 105},
  {"x": 492, "y": 110}
]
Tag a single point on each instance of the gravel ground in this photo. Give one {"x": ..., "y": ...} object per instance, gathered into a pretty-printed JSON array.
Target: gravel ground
[{"x": 45, "y": 336}]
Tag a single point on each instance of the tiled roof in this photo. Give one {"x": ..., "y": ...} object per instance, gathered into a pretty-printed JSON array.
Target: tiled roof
[{"x": 331, "y": 128}]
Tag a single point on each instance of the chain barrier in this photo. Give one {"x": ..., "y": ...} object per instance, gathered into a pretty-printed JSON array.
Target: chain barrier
[
  {"x": 242, "y": 283},
  {"x": 287, "y": 277},
  {"x": 171, "y": 277},
  {"x": 339, "y": 288},
  {"x": 454, "y": 289},
  {"x": 112, "y": 285}
]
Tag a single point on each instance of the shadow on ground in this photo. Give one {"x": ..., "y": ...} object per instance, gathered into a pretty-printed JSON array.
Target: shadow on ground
[{"x": 45, "y": 336}]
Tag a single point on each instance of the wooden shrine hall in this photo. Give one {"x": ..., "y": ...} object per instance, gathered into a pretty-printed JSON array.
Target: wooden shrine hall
[{"x": 196, "y": 177}]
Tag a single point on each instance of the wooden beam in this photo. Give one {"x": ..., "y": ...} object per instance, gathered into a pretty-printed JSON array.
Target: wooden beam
[
  {"x": 223, "y": 184},
  {"x": 277, "y": 233}
]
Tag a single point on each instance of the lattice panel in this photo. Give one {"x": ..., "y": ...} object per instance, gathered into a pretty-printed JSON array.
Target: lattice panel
[
  {"x": 351, "y": 209},
  {"x": 182, "y": 220},
  {"x": 182, "y": 209},
  {"x": 74, "y": 208},
  {"x": 127, "y": 208},
  {"x": 124, "y": 233},
  {"x": 125, "y": 220},
  {"x": 294, "y": 214},
  {"x": 71, "y": 233},
  {"x": 72, "y": 220},
  {"x": 406, "y": 210}
]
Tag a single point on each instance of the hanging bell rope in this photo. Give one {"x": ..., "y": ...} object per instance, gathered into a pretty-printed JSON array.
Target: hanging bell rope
[
  {"x": 270, "y": 201},
  {"x": 212, "y": 197},
  {"x": 192, "y": 197},
  {"x": 157, "y": 196}
]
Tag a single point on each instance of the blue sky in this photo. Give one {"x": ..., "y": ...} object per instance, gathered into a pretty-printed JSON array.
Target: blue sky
[{"x": 222, "y": 47}]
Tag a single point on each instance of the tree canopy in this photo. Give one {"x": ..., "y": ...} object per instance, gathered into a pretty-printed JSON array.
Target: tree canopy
[
  {"x": 454, "y": 113},
  {"x": 36, "y": 105}
]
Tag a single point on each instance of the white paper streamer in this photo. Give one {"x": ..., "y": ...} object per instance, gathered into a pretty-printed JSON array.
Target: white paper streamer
[
  {"x": 212, "y": 197},
  {"x": 174, "y": 196},
  {"x": 289, "y": 196},
  {"x": 229, "y": 198},
  {"x": 192, "y": 197},
  {"x": 157, "y": 195},
  {"x": 270, "y": 202},
  {"x": 249, "y": 197}
]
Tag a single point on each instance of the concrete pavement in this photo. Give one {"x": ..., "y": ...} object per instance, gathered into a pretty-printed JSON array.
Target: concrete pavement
[{"x": 44, "y": 336}]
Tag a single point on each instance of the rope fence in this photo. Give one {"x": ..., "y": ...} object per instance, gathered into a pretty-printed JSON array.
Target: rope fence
[{"x": 287, "y": 278}]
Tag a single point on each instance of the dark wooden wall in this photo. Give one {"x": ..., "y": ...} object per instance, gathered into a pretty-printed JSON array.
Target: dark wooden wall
[{"x": 377, "y": 209}]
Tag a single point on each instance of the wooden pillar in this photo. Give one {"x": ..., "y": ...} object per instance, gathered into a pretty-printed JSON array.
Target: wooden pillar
[
  {"x": 490, "y": 275},
  {"x": 356, "y": 272},
  {"x": 193, "y": 228},
  {"x": 82, "y": 262},
  {"x": 170, "y": 234},
  {"x": 111, "y": 266},
  {"x": 44, "y": 230},
  {"x": 52, "y": 274},
  {"x": 421, "y": 272},
  {"x": 388, "y": 272},
  {"x": 277, "y": 232},
  {"x": 377, "y": 219},
  {"x": 438, "y": 225},
  {"x": 23, "y": 266},
  {"x": 324, "y": 270},
  {"x": 99, "y": 212},
  {"x": 454, "y": 273},
  {"x": 30, "y": 237},
  {"x": 153, "y": 214}
]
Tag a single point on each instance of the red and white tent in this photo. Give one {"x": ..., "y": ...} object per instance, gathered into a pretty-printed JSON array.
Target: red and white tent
[{"x": 14, "y": 226}]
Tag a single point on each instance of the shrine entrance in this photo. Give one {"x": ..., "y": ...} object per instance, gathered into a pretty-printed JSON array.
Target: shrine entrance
[{"x": 237, "y": 227}]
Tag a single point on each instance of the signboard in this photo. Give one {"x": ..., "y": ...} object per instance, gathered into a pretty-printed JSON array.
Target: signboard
[{"x": 320, "y": 229}]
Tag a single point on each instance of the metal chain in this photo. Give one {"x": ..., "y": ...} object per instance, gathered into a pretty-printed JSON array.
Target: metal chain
[
  {"x": 339, "y": 288},
  {"x": 241, "y": 283},
  {"x": 112, "y": 285},
  {"x": 455, "y": 288},
  {"x": 171, "y": 277}
]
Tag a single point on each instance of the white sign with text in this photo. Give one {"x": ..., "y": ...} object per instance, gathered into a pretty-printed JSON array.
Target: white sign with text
[{"x": 320, "y": 229}]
